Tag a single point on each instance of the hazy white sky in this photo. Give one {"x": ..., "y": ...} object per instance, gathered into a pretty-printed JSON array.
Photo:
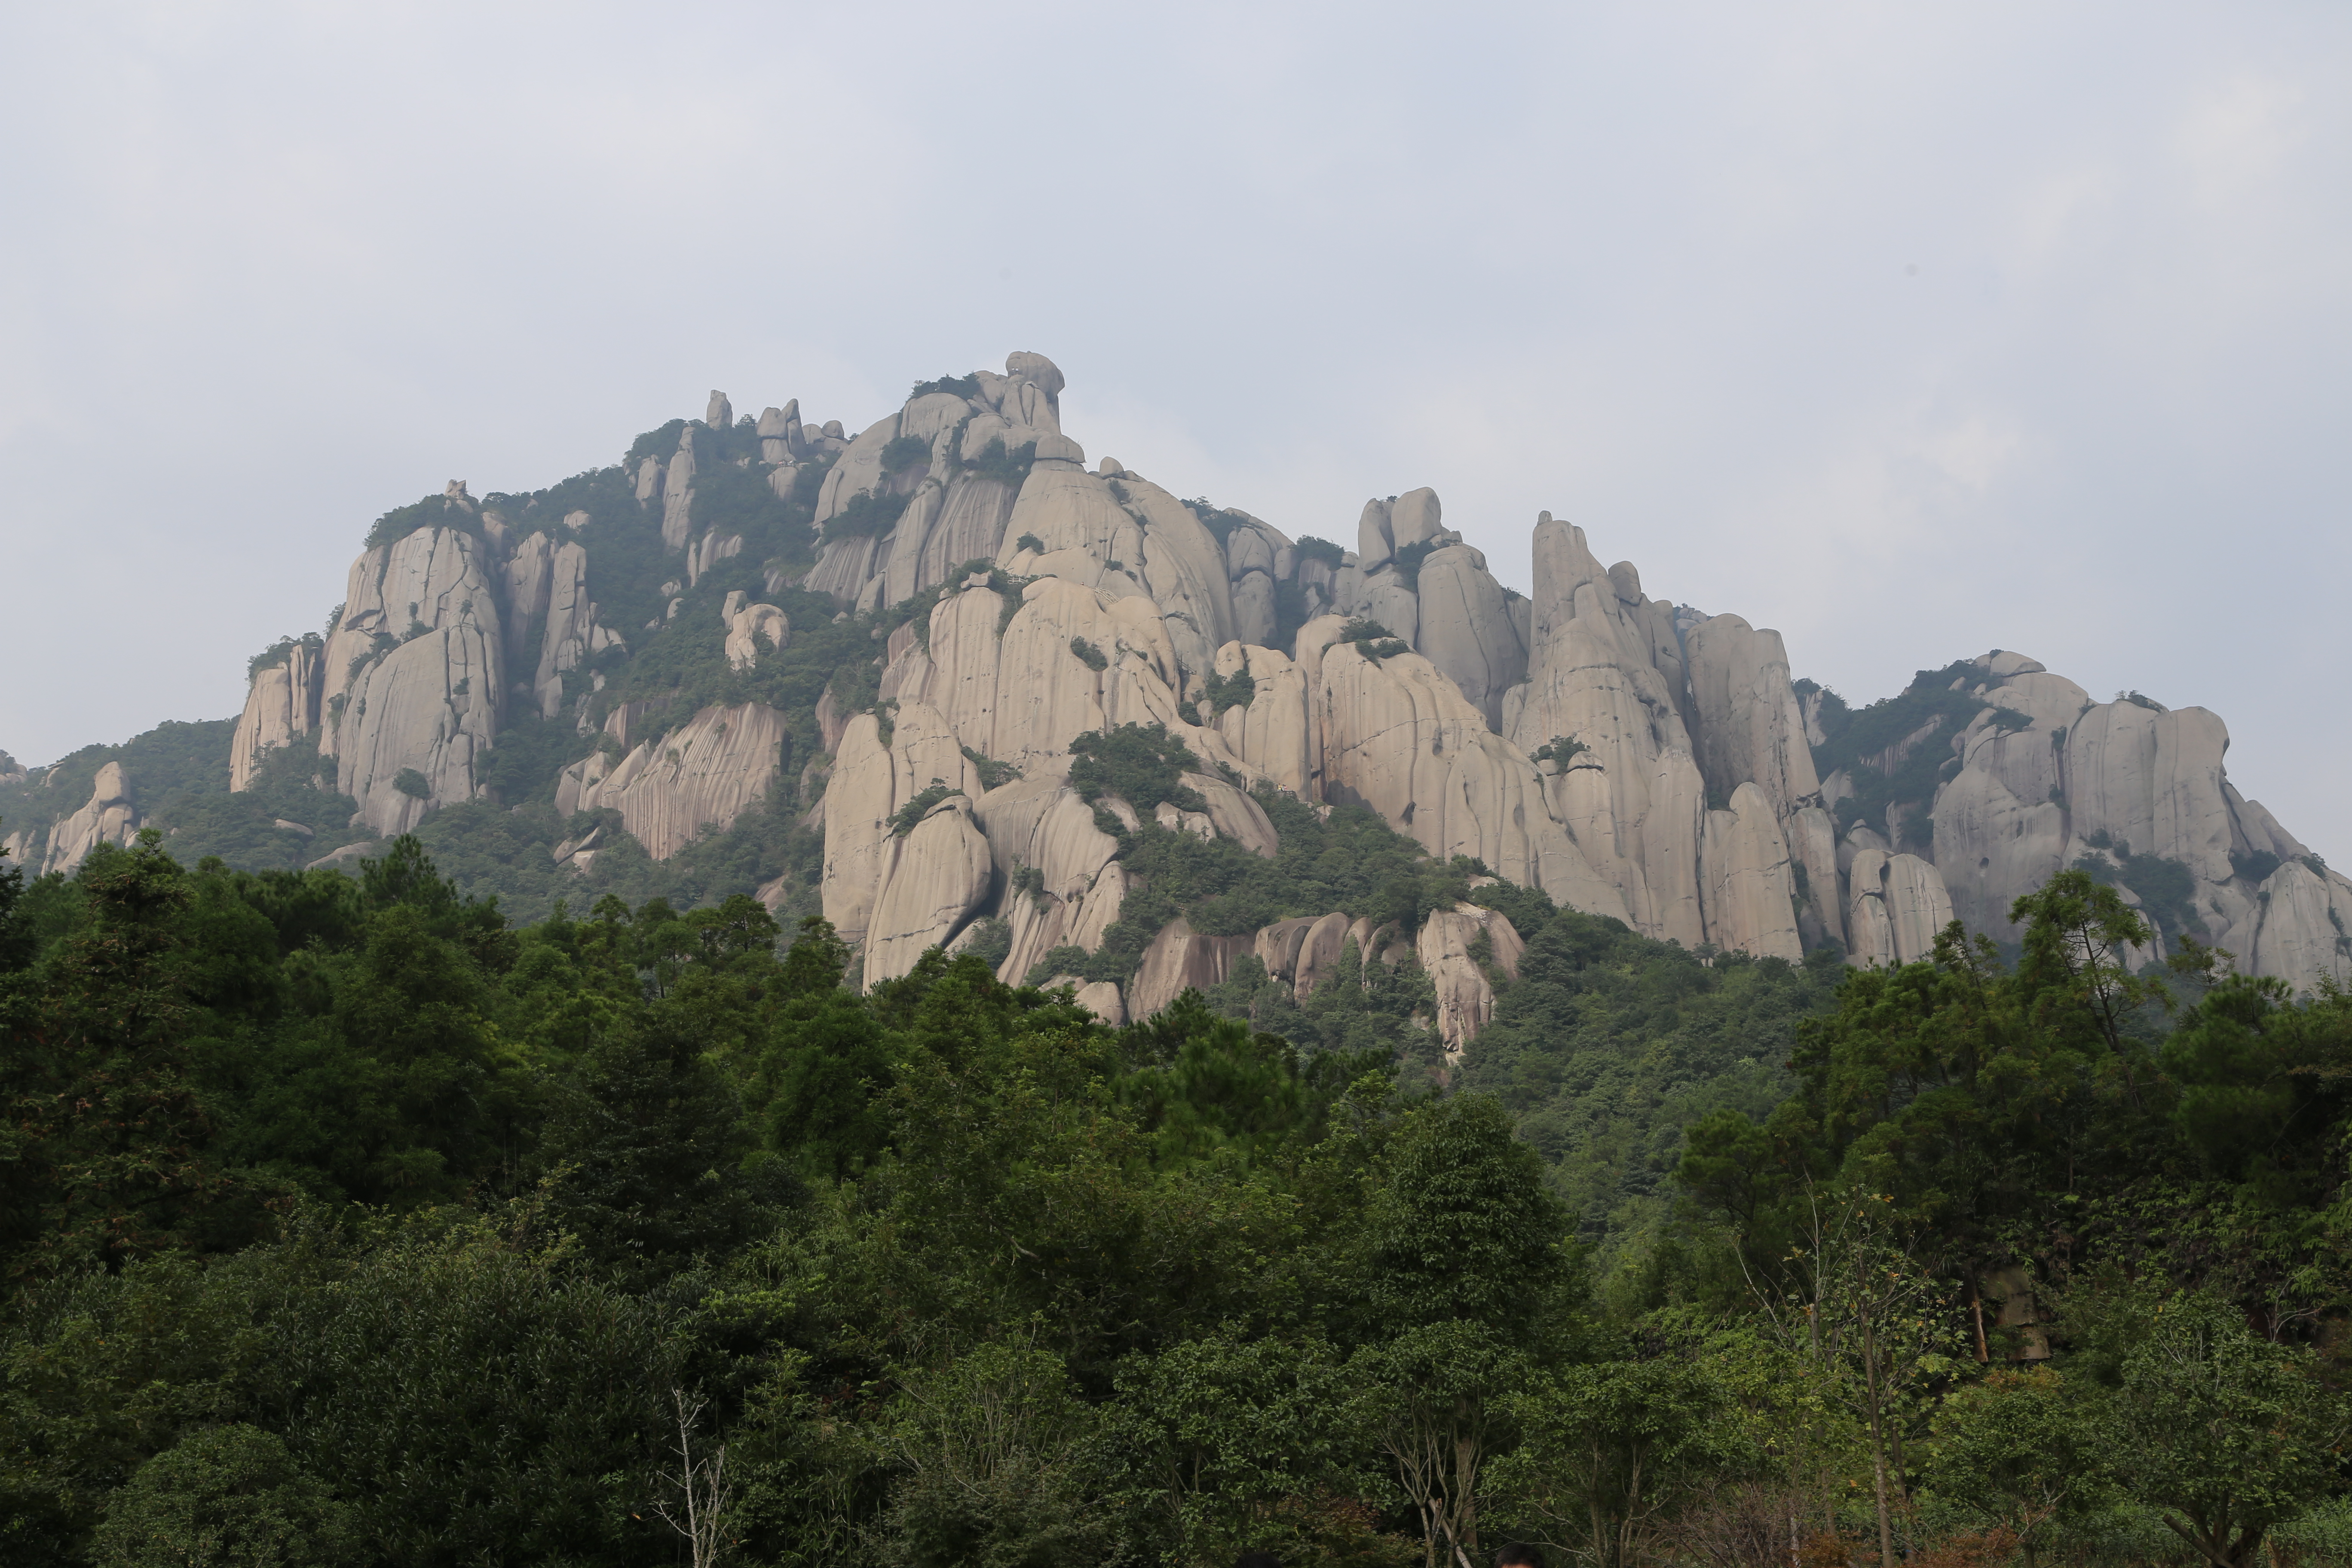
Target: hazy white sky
[{"x": 1910, "y": 329}]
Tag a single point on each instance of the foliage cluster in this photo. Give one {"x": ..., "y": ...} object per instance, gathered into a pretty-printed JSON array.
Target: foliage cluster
[{"x": 348, "y": 1224}]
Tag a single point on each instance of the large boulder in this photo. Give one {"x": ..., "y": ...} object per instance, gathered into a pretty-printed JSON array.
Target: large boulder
[
  {"x": 1465, "y": 630},
  {"x": 1751, "y": 727},
  {"x": 1899, "y": 906},
  {"x": 1637, "y": 804},
  {"x": 1270, "y": 733},
  {"x": 1749, "y": 891},
  {"x": 108, "y": 816},
  {"x": 281, "y": 705},
  {"x": 2152, "y": 779},
  {"x": 1181, "y": 960},
  {"x": 1465, "y": 997},
  {"x": 934, "y": 881},
  {"x": 2305, "y": 933},
  {"x": 572, "y": 634}
]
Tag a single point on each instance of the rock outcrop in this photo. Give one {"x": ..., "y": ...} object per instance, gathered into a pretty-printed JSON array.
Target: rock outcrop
[
  {"x": 110, "y": 816},
  {"x": 281, "y": 705},
  {"x": 933, "y": 881},
  {"x": 1450, "y": 950},
  {"x": 414, "y": 677},
  {"x": 668, "y": 790}
]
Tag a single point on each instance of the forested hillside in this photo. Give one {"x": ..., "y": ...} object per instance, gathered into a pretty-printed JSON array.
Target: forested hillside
[{"x": 346, "y": 1223}]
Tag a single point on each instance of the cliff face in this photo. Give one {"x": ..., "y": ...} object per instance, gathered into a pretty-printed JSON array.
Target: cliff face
[{"x": 988, "y": 599}]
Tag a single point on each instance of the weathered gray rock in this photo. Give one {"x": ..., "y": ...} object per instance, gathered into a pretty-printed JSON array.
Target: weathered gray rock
[
  {"x": 529, "y": 579},
  {"x": 1401, "y": 739},
  {"x": 1990, "y": 846},
  {"x": 678, "y": 494},
  {"x": 2153, "y": 780},
  {"x": 2305, "y": 933},
  {"x": 1149, "y": 544},
  {"x": 281, "y": 705},
  {"x": 1899, "y": 906},
  {"x": 703, "y": 775},
  {"x": 1635, "y": 807},
  {"x": 1180, "y": 960},
  {"x": 1236, "y": 816},
  {"x": 1750, "y": 728},
  {"x": 428, "y": 709},
  {"x": 934, "y": 881},
  {"x": 1812, "y": 850},
  {"x": 748, "y": 627},
  {"x": 1465, "y": 629},
  {"x": 574, "y": 634},
  {"x": 1749, "y": 891},
  {"x": 1465, "y": 998},
  {"x": 108, "y": 818},
  {"x": 1270, "y": 735},
  {"x": 719, "y": 414}
]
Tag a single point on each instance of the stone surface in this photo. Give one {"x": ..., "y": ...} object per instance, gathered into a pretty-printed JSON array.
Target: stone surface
[
  {"x": 933, "y": 882},
  {"x": 1101, "y": 998},
  {"x": 412, "y": 675},
  {"x": 1465, "y": 998},
  {"x": 1749, "y": 891},
  {"x": 2307, "y": 927},
  {"x": 751, "y": 625},
  {"x": 1751, "y": 727},
  {"x": 1634, "y": 802},
  {"x": 678, "y": 494},
  {"x": 1181, "y": 960},
  {"x": 704, "y": 774},
  {"x": 281, "y": 705},
  {"x": 1270, "y": 735},
  {"x": 108, "y": 816},
  {"x": 1397, "y": 736},
  {"x": 1465, "y": 629},
  {"x": 1899, "y": 906}
]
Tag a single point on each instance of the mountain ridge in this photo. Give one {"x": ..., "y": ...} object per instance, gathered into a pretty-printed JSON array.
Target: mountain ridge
[{"x": 848, "y": 672}]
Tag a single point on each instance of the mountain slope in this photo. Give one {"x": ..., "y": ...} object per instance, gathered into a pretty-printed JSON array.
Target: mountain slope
[{"x": 944, "y": 683}]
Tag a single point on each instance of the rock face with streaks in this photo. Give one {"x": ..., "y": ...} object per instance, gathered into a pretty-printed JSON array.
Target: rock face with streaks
[
  {"x": 669, "y": 789},
  {"x": 1457, "y": 947},
  {"x": 415, "y": 680},
  {"x": 282, "y": 705},
  {"x": 108, "y": 818}
]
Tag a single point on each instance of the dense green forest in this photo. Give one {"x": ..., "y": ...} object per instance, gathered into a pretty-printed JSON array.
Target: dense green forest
[{"x": 345, "y": 1221}]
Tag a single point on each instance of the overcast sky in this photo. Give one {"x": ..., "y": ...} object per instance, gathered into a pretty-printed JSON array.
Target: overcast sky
[{"x": 1912, "y": 330}]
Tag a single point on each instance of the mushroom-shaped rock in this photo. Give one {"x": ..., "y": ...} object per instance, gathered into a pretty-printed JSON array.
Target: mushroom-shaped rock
[{"x": 936, "y": 879}]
